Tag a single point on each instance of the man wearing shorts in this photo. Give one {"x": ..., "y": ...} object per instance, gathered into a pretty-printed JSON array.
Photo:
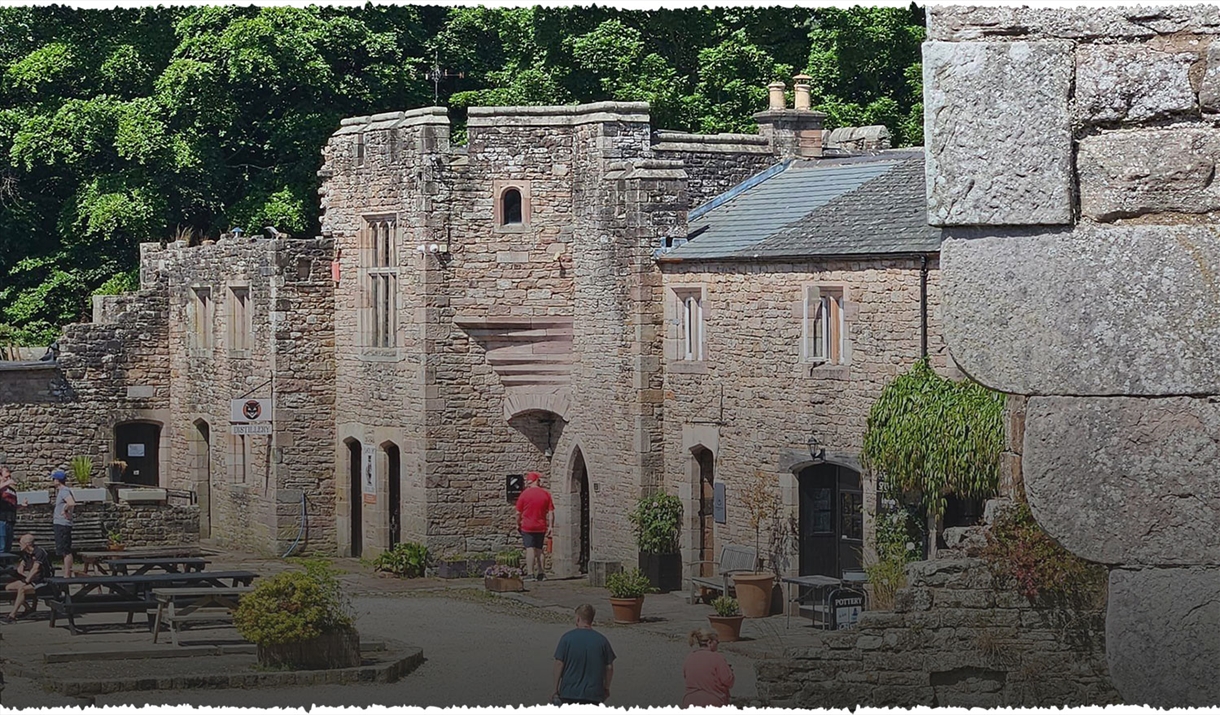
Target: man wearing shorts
[
  {"x": 535, "y": 519},
  {"x": 584, "y": 663},
  {"x": 61, "y": 520},
  {"x": 35, "y": 567}
]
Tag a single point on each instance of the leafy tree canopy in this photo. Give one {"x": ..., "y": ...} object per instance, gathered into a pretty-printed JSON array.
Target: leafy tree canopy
[{"x": 120, "y": 126}]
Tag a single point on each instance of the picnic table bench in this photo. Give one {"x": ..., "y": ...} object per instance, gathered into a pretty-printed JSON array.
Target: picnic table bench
[
  {"x": 128, "y": 594},
  {"x": 139, "y": 567},
  {"x": 176, "y": 606},
  {"x": 733, "y": 559}
]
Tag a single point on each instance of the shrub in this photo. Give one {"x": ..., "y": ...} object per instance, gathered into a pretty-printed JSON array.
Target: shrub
[
  {"x": 899, "y": 536},
  {"x": 293, "y": 606},
  {"x": 657, "y": 521},
  {"x": 628, "y": 584},
  {"x": 726, "y": 607},
  {"x": 408, "y": 560},
  {"x": 511, "y": 557},
  {"x": 1020, "y": 552}
]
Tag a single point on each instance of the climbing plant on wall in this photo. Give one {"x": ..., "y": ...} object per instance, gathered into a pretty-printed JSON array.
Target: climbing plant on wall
[{"x": 933, "y": 436}]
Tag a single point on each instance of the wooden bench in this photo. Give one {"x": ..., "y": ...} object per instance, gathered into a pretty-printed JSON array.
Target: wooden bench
[
  {"x": 139, "y": 567},
  {"x": 733, "y": 559},
  {"x": 128, "y": 594},
  {"x": 100, "y": 559},
  {"x": 179, "y": 606}
]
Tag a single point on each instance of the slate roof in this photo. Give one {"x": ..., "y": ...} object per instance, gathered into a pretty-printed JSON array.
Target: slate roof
[{"x": 866, "y": 205}]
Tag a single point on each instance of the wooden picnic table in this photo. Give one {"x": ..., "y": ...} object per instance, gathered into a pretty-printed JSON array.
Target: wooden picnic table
[
  {"x": 100, "y": 558},
  {"x": 182, "y": 605},
  {"x": 139, "y": 567},
  {"x": 129, "y": 594}
]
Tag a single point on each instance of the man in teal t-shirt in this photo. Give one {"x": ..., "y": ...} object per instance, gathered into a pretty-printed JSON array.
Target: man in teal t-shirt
[{"x": 584, "y": 662}]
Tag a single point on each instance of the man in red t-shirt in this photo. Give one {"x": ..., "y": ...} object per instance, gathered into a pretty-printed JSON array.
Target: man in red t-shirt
[{"x": 535, "y": 519}]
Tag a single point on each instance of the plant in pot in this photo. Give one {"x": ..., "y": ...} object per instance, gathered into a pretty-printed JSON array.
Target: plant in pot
[
  {"x": 114, "y": 540},
  {"x": 501, "y": 578},
  {"x": 763, "y": 505},
  {"x": 117, "y": 467},
  {"x": 728, "y": 619},
  {"x": 300, "y": 620},
  {"x": 627, "y": 589},
  {"x": 657, "y": 521},
  {"x": 82, "y": 470},
  {"x": 405, "y": 560}
]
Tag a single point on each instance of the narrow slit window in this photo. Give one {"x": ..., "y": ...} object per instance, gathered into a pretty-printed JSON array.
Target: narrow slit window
[
  {"x": 824, "y": 329},
  {"x": 691, "y": 318}
]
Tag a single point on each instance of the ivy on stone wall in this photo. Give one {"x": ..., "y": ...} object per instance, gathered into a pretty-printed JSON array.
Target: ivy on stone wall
[{"x": 932, "y": 436}]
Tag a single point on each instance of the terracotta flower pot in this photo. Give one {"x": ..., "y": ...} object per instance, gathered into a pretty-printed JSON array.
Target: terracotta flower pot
[
  {"x": 728, "y": 628},
  {"x": 754, "y": 593},
  {"x": 627, "y": 610},
  {"x": 502, "y": 585}
]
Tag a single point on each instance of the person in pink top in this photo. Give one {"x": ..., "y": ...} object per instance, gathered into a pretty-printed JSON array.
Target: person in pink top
[
  {"x": 709, "y": 677},
  {"x": 535, "y": 519}
]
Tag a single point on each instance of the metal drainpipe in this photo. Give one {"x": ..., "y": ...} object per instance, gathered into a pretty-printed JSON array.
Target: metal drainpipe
[{"x": 923, "y": 306}]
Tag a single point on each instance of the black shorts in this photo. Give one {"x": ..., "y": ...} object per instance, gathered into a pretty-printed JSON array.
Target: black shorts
[
  {"x": 63, "y": 539},
  {"x": 533, "y": 539}
]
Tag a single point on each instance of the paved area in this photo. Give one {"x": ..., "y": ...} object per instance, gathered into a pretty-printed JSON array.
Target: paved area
[{"x": 480, "y": 649}]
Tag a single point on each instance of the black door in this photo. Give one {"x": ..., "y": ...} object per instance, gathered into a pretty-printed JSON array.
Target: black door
[
  {"x": 392, "y": 458},
  {"x": 356, "y": 494},
  {"x": 831, "y": 520},
  {"x": 137, "y": 444},
  {"x": 582, "y": 486}
]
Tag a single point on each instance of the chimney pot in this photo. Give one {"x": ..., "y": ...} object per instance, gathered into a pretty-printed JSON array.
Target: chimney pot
[
  {"x": 776, "y": 95},
  {"x": 803, "y": 101}
]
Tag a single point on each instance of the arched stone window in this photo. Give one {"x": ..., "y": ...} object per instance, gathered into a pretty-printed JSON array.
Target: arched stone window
[{"x": 510, "y": 207}]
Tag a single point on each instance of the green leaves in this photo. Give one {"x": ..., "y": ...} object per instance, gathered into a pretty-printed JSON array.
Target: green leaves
[
  {"x": 933, "y": 436},
  {"x": 657, "y": 521}
]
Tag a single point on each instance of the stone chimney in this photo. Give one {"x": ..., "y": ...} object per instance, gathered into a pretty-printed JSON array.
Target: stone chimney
[{"x": 794, "y": 133}]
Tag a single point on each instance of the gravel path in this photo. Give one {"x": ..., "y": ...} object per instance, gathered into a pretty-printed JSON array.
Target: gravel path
[{"x": 479, "y": 653}]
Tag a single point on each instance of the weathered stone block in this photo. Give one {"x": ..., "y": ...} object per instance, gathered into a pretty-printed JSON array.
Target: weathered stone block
[
  {"x": 958, "y": 23},
  {"x": 1126, "y": 480},
  {"x": 1209, "y": 87},
  {"x": 1129, "y": 173},
  {"x": 1123, "y": 83},
  {"x": 1096, "y": 311},
  {"x": 1161, "y": 642},
  {"x": 998, "y": 132}
]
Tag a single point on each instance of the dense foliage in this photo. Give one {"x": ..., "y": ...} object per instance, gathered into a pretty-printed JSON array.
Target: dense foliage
[
  {"x": 120, "y": 126},
  {"x": 294, "y": 606},
  {"x": 628, "y": 584},
  {"x": 932, "y": 436},
  {"x": 657, "y": 522},
  {"x": 407, "y": 560},
  {"x": 1025, "y": 556}
]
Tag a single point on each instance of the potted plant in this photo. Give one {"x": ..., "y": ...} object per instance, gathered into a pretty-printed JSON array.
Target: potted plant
[
  {"x": 627, "y": 589},
  {"x": 452, "y": 567},
  {"x": 657, "y": 522},
  {"x": 300, "y": 620},
  {"x": 405, "y": 560},
  {"x": 81, "y": 469},
  {"x": 114, "y": 540},
  {"x": 501, "y": 578},
  {"x": 728, "y": 619},
  {"x": 762, "y": 503}
]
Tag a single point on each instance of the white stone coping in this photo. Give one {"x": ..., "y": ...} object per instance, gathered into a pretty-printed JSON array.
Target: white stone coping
[
  {"x": 142, "y": 495},
  {"x": 564, "y": 115},
  {"x": 390, "y": 120}
]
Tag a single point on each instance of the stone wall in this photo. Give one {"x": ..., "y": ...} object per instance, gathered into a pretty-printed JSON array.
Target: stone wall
[
  {"x": 714, "y": 163},
  {"x": 952, "y": 640},
  {"x": 1070, "y": 159},
  {"x": 152, "y": 524},
  {"x": 755, "y": 400}
]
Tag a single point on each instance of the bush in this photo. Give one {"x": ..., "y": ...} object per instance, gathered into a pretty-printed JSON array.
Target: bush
[
  {"x": 657, "y": 521},
  {"x": 628, "y": 584},
  {"x": 407, "y": 560},
  {"x": 1020, "y": 552},
  {"x": 293, "y": 606},
  {"x": 899, "y": 537},
  {"x": 511, "y": 557},
  {"x": 726, "y": 607}
]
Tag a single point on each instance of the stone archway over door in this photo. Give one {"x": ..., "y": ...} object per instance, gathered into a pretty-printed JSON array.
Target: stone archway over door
[
  {"x": 831, "y": 520},
  {"x": 139, "y": 444}
]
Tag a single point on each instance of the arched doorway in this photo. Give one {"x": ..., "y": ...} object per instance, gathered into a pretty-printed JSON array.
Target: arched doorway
[
  {"x": 355, "y": 497},
  {"x": 394, "y": 479},
  {"x": 831, "y": 520},
  {"x": 138, "y": 444},
  {"x": 201, "y": 471},
  {"x": 705, "y": 462},
  {"x": 580, "y": 489}
]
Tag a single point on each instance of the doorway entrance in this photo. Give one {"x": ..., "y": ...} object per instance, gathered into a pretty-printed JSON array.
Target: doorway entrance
[
  {"x": 355, "y": 497},
  {"x": 831, "y": 520},
  {"x": 201, "y": 468},
  {"x": 393, "y": 474},
  {"x": 706, "y": 462},
  {"x": 580, "y": 480},
  {"x": 138, "y": 444}
]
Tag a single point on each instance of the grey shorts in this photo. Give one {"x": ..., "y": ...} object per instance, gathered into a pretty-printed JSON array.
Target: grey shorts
[
  {"x": 63, "y": 539},
  {"x": 533, "y": 539}
]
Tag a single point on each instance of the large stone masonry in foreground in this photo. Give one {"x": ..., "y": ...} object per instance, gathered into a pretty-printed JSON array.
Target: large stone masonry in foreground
[{"x": 1071, "y": 162}]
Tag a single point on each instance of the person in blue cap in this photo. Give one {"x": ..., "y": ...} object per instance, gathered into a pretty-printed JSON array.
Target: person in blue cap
[{"x": 61, "y": 519}]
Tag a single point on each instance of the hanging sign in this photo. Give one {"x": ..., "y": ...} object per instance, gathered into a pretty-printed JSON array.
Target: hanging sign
[
  {"x": 514, "y": 484},
  {"x": 250, "y": 409},
  {"x": 369, "y": 482}
]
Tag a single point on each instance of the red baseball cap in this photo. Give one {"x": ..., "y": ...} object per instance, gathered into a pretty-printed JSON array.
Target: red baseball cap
[{"x": 532, "y": 476}]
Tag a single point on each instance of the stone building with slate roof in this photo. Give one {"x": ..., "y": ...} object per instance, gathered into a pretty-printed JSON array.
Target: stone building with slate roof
[{"x": 524, "y": 302}]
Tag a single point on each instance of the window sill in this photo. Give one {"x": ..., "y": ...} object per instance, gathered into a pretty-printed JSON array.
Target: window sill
[
  {"x": 828, "y": 371},
  {"x": 380, "y": 354},
  {"x": 511, "y": 228},
  {"x": 688, "y": 367}
]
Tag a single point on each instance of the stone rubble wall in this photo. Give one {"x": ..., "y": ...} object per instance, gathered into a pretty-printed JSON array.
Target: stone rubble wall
[
  {"x": 151, "y": 524},
  {"x": 714, "y": 163},
  {"x": 952, "y": 640},
  {"x": 1071, "y": 158}
]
